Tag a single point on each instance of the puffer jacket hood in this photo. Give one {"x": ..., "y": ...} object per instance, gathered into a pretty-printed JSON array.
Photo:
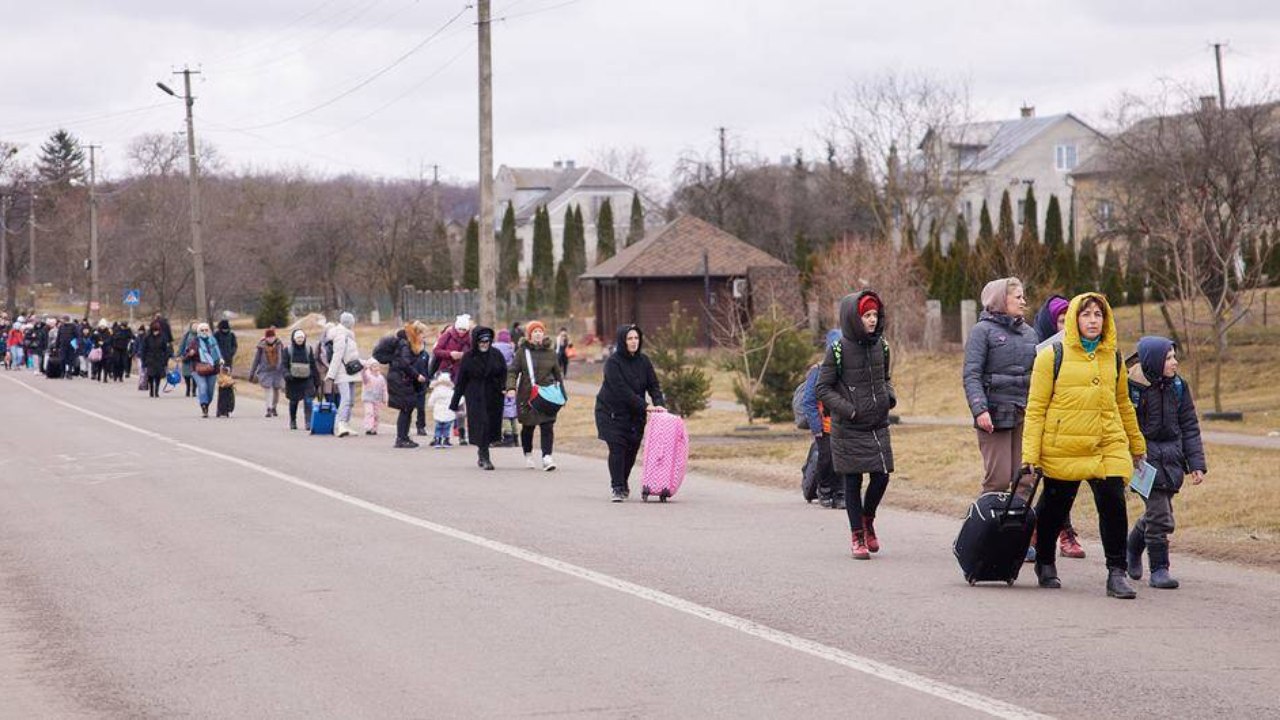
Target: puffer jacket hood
[
  {"x": 851, "y": 321},
  {"x": 621, "y": 346},
  {"x": 1152, "y": 351},
  {"x": 1107, "y": 341}
]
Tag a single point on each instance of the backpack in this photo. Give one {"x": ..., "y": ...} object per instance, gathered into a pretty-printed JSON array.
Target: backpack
[
  {"x": 1057, "y": 361},
  {"x": 327, "y": 353},
  {"x": 385, "y": 351},
  {"x": 797, "y": 405},
  {"x": 837, "y": 351},
  {"x": 1135, "y": 392}
]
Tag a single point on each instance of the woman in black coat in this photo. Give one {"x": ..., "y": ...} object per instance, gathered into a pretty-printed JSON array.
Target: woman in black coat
[
  {"x": 482, "y": 377},
  {"x": 406, "y": 378},
  {"x": 155, "y": 358},
  {"x": 301, "y": 378},
  {"x": 621, "y": 411}
]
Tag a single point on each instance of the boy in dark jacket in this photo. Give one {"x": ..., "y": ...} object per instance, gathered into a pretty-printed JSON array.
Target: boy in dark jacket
[
  {"x": 1167, "y": 416},
  {"x": 830, "y": 488}
]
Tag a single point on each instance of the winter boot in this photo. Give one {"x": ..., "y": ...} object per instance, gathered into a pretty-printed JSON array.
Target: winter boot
[
  {"x": 1133, "y": 553},
  {"x": 1158, "y": 554},
  {"x": 869, "y": 533},
  {"x": 837, "y": 501},
  {"x": 204, "y": 410},
  {"x": 826, "y": 501},
  {"x": 1118, "y": 585},
  {"x": 859, "y": 546},
  {"x": 1047, "y": 575},
  {"x": 485, "y": 463},
  {"x": 1068, "y": 545}
]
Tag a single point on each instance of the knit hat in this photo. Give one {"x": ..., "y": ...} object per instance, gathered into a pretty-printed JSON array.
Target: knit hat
[
  {"x": 534, "y": 325},
  {"x": 347, "y": 320},
  {"x": 483, "y": 334},
  {"x": 504, "y": 336},
  {"x": 866, "y": 303},
  {"x": 462, "y": 322},
  {"x": 1058, "y": 306}
]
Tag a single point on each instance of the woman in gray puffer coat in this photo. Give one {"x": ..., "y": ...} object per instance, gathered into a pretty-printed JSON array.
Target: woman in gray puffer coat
[
  {"x": 854, "y": 386},
  {"x": 997, "y": 375}
]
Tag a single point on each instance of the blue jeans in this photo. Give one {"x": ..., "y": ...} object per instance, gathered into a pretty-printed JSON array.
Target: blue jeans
[
  {"x": 205, "y": 385},
  {"x": 443, "y": 430}
]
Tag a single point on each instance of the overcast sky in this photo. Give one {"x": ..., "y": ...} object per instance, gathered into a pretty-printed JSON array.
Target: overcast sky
[{"x": 574, "y": 76}]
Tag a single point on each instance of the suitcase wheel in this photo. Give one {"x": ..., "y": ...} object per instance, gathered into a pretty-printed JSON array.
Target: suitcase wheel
[
  {"x": 644, "y": 494},
  {"x": 1011, "y": 581},
  {"x": 973, "y": 581},
  {"x": 662, "y": 498}
]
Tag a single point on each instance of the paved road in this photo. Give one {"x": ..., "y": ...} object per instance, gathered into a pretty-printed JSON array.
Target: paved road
[{"x": 153, "y": 564}]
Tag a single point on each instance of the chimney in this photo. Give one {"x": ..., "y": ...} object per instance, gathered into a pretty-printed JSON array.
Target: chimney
[
  {"x": 570, "y": 164},
  {"x": 1028, "y": 111},
  {"x": 557, "y": 165},
  {"x": 1208, "y": 103}
]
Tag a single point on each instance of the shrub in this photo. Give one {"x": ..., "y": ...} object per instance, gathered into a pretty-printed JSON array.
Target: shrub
[{"x": 684, "y": 382}]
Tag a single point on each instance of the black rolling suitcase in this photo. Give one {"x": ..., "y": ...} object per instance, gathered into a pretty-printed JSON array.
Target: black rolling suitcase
[
  {"x": 992, "y": 544},
  {"x": 809, "y": 474}
]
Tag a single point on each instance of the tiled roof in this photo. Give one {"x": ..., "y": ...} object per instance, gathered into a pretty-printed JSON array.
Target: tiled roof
[
  {"x": 676, "y": 249},
  {"x": 556, "y": 183}
]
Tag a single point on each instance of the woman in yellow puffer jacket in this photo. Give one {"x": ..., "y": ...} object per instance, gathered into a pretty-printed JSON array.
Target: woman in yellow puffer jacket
[{"x": 1081, "y": 426}]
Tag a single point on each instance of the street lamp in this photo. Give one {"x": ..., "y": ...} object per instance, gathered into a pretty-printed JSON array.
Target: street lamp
[{"x": 193, "y": 181}]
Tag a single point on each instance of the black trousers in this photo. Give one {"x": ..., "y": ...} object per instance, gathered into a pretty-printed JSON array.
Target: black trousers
[
  {"x": 403, "y": 421},
  {"x": 1113, "y": 520},
  {"x": 828, "y": 485},
  {"x": 857, "y": 505},
  {"x": 421, "y": 406},
  {"x": 153, "y": 385},
  {"x": 306, "y": 410},
  {"x": 548, "y": 437},
  {"x": 622, "y": 458}
]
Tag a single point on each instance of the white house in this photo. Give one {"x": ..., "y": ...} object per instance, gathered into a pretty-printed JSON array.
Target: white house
[
  {"x": 993, "y": 156},
  {"x": 559, "y": 187}
]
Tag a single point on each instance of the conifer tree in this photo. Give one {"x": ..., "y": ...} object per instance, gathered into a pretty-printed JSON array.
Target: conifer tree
[
  {"x": 543, "y": 270},
  {"x": 471, "y": 256},
  {"x": 567, "y": 244},
  {"x": 1004, "y": 233},
  {"x": 989, "y": 257},
  {"x": 61, "y": 159},
  {"x": 1112, "y": 284},
  {"x": 439, "y": 261},
  {"x": 531, "y": 301},
  {"x": 1029, "y": 264},
  {"x": 605, "y": 243},
  {"x": 508, "y": 253},
  {"x": 1031, "y": 215},
  {"x": 1135, "y": 272},
  {"x": 580, "y": 238},
  {"x": 960, "y": 282},
  {"x": 561, "y": 299},
  {"x": 636, "y": 231},
  {"x": 1086, "y": 275},
  {"x": 1053, "y": 224}
]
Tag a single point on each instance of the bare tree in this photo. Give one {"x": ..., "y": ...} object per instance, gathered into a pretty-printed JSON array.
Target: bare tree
[
  {"x": 1199, "y": 183},
  {"x": 630, "y": 164},
  {"x": 860, "y": 263},
  {"x": 896, "y": 130}
]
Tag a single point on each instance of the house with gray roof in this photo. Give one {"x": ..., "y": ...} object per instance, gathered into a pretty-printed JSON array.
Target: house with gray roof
[
  {"x": 990, "y": 157},
  {"x": 562, "y": 186}
]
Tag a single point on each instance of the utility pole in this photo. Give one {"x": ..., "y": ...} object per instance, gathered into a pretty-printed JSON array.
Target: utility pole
[
  {"x": 435, "y": 193},
  {"x": 1222, "y": 88},
  {"x": 724, "y": 154},
  {"x": 193, "y": 181},
  {"x": 488, "y": 248},
  {"x": 4, "y": 252},
  {"x": 31, "y": 250},
  {"x": 95, "y": 304},
  {"x": 724, "y": 169}
]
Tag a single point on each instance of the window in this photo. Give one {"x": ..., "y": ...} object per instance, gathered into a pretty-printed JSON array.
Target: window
[
  {"x": 1064, "y": 158},
  {"x": 1022, "y": 209},
  {"x": 1106, "y": 213}
]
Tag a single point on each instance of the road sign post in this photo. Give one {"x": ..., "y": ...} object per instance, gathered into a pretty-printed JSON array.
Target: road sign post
[{"x": 132, "y": 298}]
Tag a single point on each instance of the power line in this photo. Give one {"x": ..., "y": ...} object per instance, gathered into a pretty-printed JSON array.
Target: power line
[
  {"x": 84, "y": 120},
  {"x": 290, "y": 55},
  {"x": 536, "y": 11},
  {"x": 271, "y": 39},
  {"x": 377, "y": 74}
]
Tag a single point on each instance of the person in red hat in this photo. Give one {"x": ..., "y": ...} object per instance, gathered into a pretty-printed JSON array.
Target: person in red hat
[{"x": 854, "y": 387}]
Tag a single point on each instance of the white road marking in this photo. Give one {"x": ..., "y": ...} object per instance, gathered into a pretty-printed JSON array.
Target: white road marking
[{"x": 874, "y": 668}]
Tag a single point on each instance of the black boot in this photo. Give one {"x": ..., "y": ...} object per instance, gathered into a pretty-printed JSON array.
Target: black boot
[
  {"x": 485, "y": 464},
  {"x": 1158, "y": 553},
  {"x": 1133, "y": 553},
  {"x": 204, "y": 410},
  {"x": 1047, "y": 575},
  {"x": 1118, "y": 585}
]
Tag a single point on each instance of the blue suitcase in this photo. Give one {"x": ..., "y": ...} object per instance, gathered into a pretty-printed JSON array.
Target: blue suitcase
[{"x": 322, "y": 418}]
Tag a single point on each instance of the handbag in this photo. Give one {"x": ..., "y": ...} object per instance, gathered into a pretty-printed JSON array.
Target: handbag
[
  {"x": 204, "y": 369},
  {"x": 544, "y": 399},
  {"x": 355, "y": 367},
  {"x": 299, "y": 370},
  {"x": 95, "y": 355}
]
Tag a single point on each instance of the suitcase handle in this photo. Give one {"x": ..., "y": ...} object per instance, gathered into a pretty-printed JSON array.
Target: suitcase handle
[{"x": 1037, "y": 475}]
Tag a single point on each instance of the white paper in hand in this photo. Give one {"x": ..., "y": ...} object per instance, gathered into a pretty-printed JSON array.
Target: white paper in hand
[{"x": 1143, "y": 478}]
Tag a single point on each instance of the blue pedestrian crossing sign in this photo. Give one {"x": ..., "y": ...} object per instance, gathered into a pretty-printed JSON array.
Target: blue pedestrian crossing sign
[{"x": 132, "y": 297}]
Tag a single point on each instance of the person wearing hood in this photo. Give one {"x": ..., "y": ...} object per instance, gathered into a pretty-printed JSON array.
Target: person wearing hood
[
  {"x": 509, "y": 411},
  {"x": 270, "y": 365},
  {"x": 203, "y": 353},
  {"x": 155, "y": 357},
  {"x": 122, "y": 340},
  {"x": 481, "y": 379},
  {"x": 227, "y": 342},
  {"x": 536, "y": 351},
  {"x": 345, "y": 368},
  {"x": 301, "y": 378},
  {"x": 621, "y": 410},
  {"x": 184, "y": 368},
  {"x": 1081, "y": 427},
  {"x": 99, "y": 348},
  {"x": 855, "y": 387},
  {"x": 1049, "y": 322},
  {"x": 997, "y": 373},
  {"x": 406, "y": 376},
  {"x": 1167, "y": 415},
  {"x": 452, "y": 345},
  {"x": 830, "y": 492}
]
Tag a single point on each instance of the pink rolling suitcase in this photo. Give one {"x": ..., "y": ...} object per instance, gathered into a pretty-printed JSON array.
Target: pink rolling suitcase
[{"x": 666, "y": 452}]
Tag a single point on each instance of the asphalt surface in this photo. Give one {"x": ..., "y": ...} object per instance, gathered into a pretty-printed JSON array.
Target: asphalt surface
[{"x": 154, "y": 564}]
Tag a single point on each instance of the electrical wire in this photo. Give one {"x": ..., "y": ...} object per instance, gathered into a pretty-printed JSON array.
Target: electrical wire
[
  {"x": 84, "y": 120},
  {"x": 218, "y": 127},
  {"x": 366, "y": 81},
  {"x": 290, "y": 55},
  {"x": 535, "y": 11},
  {"x": 273, "y": 39}
]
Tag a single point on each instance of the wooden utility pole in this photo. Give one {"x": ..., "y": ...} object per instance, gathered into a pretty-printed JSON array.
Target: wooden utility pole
[
  {"x": 488, "y": 248},
  {"x": 1222, "y": 88},
  {"x": 95, "y": 305},
  {"x": 4, "y": 254},
  {"x": 31, "y": 249},
  {"x": 193, "y": 183}
]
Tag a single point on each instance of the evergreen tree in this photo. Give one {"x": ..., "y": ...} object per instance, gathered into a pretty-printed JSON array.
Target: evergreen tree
[
  {"x": 471, "y": 256},
  {"x": 1086, "y": 275},
  {"x": 543, "y": 271},
  {"x": 1157, "y": 269},
  {"x": 934, "y": 264},
  {"x": 439, "y": 261},
  {"x": 1053, "y": 224},
  {"x": 1064, "y": 268},
  {"x": 1135, "y": 272},
  {"x": 988, "y": 260},
  {"x": 580, "y": 238},
  {"x": 1029, "y": 263},
  {"x": 61, "y": 159},
  {"x": 1271, "y": 259},
  {"x": 531, "y": 301},
  {"x": 959, "y": 281},
  {"x": 605, "y": 243},
  {"x": 636, "y": 232},
  {"x": 1004, "y": 234},
  {"x": 274, "y": 305},
  {"x": 508, "y": 254},
  {"x": 1112, "y": 278},
  {"x": 561, "y": 301},
  {"x": 568, "y": 244},
  {"x": 1031, "y": 214}
]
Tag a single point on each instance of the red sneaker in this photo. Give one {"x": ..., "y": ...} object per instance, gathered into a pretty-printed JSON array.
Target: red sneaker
[
  {"x": 1068, "y": 546},
  {"x": 859, "y": 546},
  {"x": 869, "y": 533}
]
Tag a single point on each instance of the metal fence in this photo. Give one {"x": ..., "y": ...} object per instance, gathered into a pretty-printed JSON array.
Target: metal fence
[{"x": 439, "y": 304}]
